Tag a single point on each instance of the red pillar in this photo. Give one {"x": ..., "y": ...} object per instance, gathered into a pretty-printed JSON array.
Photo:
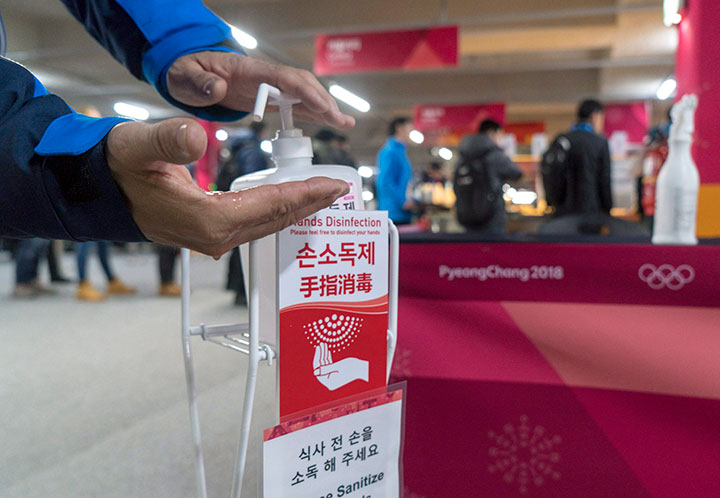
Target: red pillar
[{"x": 698, "y": 71}]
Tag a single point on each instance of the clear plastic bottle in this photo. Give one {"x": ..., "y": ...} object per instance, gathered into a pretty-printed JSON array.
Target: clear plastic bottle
[
  {"x": 292, "y": 154},
  {"x": 678, "y": 183}
]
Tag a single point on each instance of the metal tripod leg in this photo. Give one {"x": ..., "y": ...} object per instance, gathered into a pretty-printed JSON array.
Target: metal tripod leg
[
  {"x": 254, "y": 312},
  {"x": 190, "y": 377}
]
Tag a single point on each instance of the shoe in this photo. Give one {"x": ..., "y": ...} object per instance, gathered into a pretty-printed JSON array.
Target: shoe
[
  {"x": 170, "y": 289},
  {"x": 41, "y": 289},
  {"x": 119, "y": 288},
  {"x": 24, "y": 291},
  {"x": 60, "y": 280},
  {"x": 86, "y": 292}
]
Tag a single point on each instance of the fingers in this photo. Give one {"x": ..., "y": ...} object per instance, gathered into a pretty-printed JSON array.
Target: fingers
[
  {"x": 329, "y": 355},
  {"x": 177, "y": 141},
  {"x": 316, "y": 358},
  {"x": 191, "y": 83},
  {"x": 305, "y": 86},
  {"x": 207, "y": 78},
  {"x": 335, "y": 119}
]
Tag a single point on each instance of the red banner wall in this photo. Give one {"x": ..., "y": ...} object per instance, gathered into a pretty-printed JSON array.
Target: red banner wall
[
  {"x": 456, "y": 118},
  {"x": 594, "y": 373},
  {"x": 387, "y": 50}
]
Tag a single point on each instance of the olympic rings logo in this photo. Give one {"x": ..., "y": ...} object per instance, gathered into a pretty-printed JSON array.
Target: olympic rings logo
[{"x": 666, "y": 276}]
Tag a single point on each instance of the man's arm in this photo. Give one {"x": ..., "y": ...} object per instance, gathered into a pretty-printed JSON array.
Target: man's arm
[
  {"x": 148, "y": 36},
  {"x": 68, "y": 176},
  {"x": 54, "y": 181},
  {"x": 190, "y": 56}
]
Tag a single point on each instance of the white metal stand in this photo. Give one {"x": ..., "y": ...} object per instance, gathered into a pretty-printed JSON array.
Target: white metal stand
[{"x": 244, "y": 338}]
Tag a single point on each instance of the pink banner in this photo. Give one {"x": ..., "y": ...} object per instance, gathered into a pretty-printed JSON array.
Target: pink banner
[
  {"x": 579, "y": 383},
  {"x": 631, "y": 274},
  {"x": 386, "y": 50},
  {"x": 632, "y": 118}
]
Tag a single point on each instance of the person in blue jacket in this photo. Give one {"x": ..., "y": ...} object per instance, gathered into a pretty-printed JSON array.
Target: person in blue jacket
[
  {"x": 395, "y": 172},
  {"x": 68, "y": 176}
]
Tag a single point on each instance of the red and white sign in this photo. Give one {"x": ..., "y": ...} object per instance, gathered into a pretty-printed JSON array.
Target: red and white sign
[
  {"x": 349, "y": 450},
  {"x": 386, "y": 50},
  {"x": 457, "y": 117},
  {"x": 333, "y": 300},
  {"x": 447, "y": 124}
]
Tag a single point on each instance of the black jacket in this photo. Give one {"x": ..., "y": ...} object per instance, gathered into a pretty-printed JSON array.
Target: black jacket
[
  {"x": 500, "y": 168},
  {"x": 588, "y": 183}
]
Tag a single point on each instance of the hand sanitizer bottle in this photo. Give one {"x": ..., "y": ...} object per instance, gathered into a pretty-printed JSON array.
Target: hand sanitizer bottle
[
  {"x": 678, "y": 182},
  {"x": 292, "y": 154}
]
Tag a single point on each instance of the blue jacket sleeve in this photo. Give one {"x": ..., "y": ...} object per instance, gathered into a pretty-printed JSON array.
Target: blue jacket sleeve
[
  {"x": 54, "y": 179},
  {"x": 147, "y": 36}
]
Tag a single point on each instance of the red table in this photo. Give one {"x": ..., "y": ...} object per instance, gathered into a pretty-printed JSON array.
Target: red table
[{"x": 550, "y": 370}]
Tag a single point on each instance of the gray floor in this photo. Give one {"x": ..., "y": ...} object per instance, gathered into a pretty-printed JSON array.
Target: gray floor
[{"x": 92, "y": 395}]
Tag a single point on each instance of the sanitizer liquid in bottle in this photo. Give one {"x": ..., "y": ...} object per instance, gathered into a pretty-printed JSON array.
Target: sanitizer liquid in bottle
[
  {"x": 292, "y": 154},
  {"x": 678, "y": 182}
]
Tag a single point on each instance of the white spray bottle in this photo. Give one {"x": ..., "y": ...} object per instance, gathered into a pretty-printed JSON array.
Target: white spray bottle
[
  {"x": 292, "y": 154},
  {"x": 679, "y": 181}
]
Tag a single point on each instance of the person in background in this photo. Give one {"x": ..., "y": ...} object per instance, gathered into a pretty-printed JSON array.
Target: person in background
[
  {"x": 656, "y": 152},
  {"x": 54, "y": 258},
  {"x": 395, "y": 172},
  {"x": 246, "y": 156},
  {"x": 588, "y": 165},
  {"x": 343, "y": 150},
  {"x": 167, "y": 256},
  {"x": 28, "y": 253},
  {"x": 325, "y": 149},
  {"x": 85, "y": 290},
  {"x": 434, "y": 173},
  {"x": 482, "y": 150}
]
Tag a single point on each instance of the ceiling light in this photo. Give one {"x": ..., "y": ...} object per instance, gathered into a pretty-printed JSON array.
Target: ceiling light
[
  {"x": 266, "y": 146},
  {"x": 671, "y": 12},
  {"x": 221, "y": 135},
  {"x": 445, "y": 153},
  {"x": 349, "y": 98},
  {"x": 243, "y": 38},
  {"x": 417, "y": 137},
  {"x": 367, "y": 195},
  {"x": 667, "y": 88},
  {"x": 131, "y": 111},
  {"x": 365, "y": 171}
]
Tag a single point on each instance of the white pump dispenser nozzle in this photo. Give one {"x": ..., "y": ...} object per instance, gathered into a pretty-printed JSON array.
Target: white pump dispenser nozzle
[
  {"x": 289, "y": 147},
  {"x": 275, "y": 97}
]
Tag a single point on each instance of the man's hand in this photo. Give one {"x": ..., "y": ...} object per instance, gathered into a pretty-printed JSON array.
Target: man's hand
[
  {"x": 231, "y": 80},
  {"x": 147, "y": 161}
]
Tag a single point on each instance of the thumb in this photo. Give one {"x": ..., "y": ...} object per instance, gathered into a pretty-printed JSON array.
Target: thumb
[
  {"x": 189, "y": 82},
  {"x": 177, "y": 141}
]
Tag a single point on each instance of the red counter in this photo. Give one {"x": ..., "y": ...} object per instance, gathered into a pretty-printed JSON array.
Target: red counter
[{"x": 550, "y": 370}]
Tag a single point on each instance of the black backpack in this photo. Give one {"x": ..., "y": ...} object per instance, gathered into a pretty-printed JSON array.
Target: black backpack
[
  {"x": 473, "y": 187},
  {"x": 554, "y": 169}
]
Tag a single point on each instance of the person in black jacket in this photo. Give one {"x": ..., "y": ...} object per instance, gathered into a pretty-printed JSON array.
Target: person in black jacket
[
  {"x": 483, "y": 147},
  {"x": 588, "y": 172}
]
